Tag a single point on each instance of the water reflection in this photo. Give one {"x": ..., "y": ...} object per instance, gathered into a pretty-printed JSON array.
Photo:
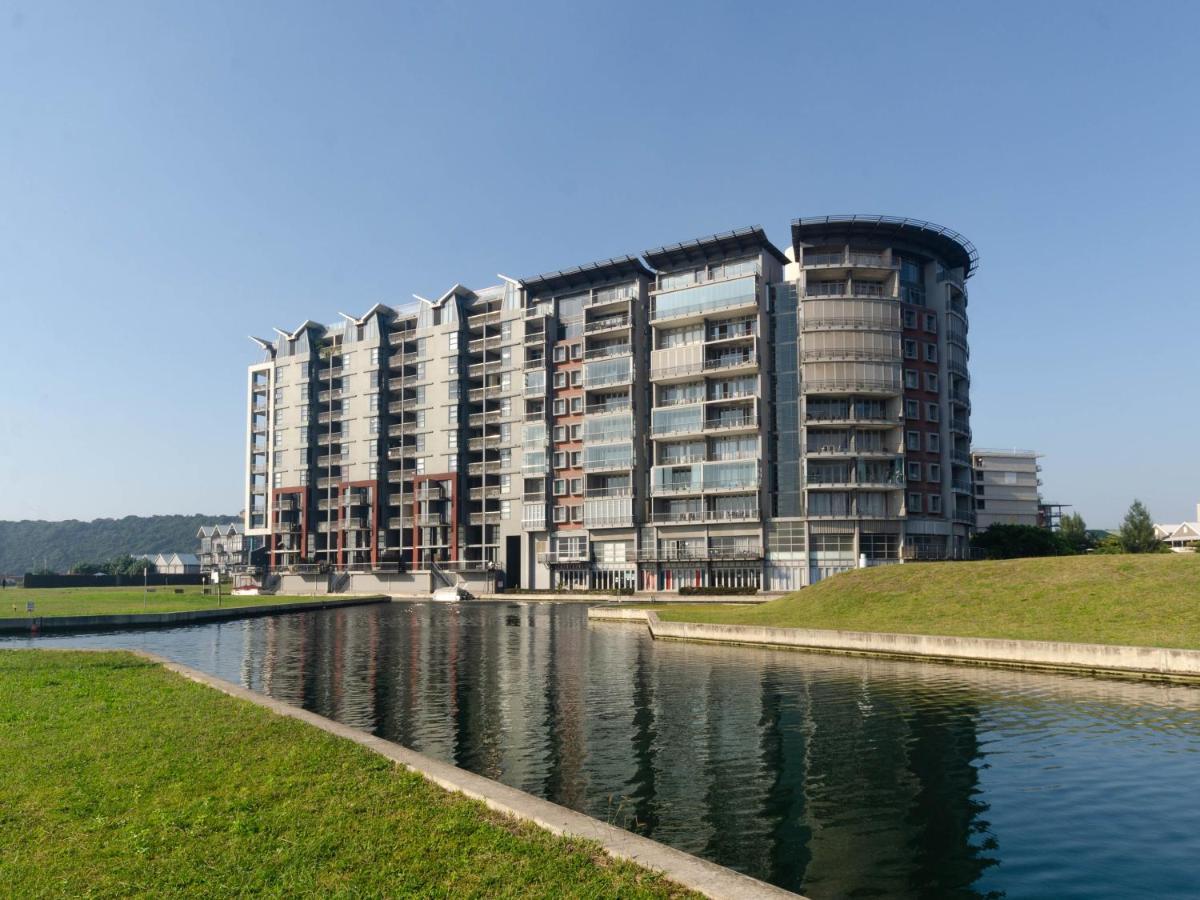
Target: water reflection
[{"x": 833, "y": 776}]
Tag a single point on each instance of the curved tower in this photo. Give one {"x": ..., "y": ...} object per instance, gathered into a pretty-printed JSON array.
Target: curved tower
[{"x": 884, "y": 389}]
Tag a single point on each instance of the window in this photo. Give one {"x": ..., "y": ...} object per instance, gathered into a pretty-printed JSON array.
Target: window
[
  {"x": 278, "y": 458},
  {"x": 452, "y": 342},
  {"x": 576, "y": 405},
  {"x": 931, "y": 412},
  {"x": 910, "y": 349},
  {"x": 560, "y": 433},
  {"x": 910, "y": 318},
  {"x": 931, "y": 323},
  {"x": 560, "y": 353},
  {"x": 304, "y": 434},
  {"x": 912, "y": 409},
  {"x": 372, "y": 469},
  {"x": 914, "y": 471},
  {"x": 374, "y": 356},
  {"x": 560, "y": 379},
  {"x": 935, "y": 472},
  {"x": 577, "y": 513},
  {"x": 575, "y": 432},
  {"x": 560, "y": 460},
  {"x": 420, "y": 468},
  {"x": 277, "y": 479},
  {"x": 278, "y": 395},
  {"x": 933, "y": 442},
  {"x": 575, "y": 456},
  {"x": 278, "y": 435},
  {"x": 979, "y": 503},
  {"x": 452, "y": 440},
  {"x": 912, "y": 379},
  {"x": 935, "y": 503},
  {"x": 560, "y": 514},
  {"x": 914, "y": 440},
  {"x": 505, "y": 509},
  {"x": 304, "y": 413},
  {"x": 373, "y": 403},
  {"x": 577, "y": 351},
  {"x": 914, "y": 503},
  {"x": 560, "y": 407},
  {"x": 303, "y": 477},
  {"x": 452, "y": 390},
  {"x": 577, "y": 486},
  {"x": 419, "y": 443},
  {"x": 560, "y": 487},
  {"x": 452, "y": 415},
  {"x": 451, "y": 463},
  {"x": 420, "y": 423},
  {"x": 931, "y": 353},
  {"x": 452, "y": 369},
  {"x": 373, "y": 426},
  {"x": 576, "y": 377},
  {"x": 931, "y": 382}
]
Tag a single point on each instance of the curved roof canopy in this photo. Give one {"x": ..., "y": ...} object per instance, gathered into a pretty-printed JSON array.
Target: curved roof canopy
[{"x": 947, "y": 245}]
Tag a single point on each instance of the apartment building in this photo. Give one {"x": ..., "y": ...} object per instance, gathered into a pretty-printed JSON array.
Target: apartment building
[
  {"x": 1007, "y": 488},
  {"x": 717, "y": 412}
]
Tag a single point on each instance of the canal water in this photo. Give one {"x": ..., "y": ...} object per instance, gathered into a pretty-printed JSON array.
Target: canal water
[{"x": 832, "y": 776}]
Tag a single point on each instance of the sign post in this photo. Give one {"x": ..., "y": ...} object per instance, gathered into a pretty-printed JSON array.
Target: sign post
[{"x": 216, "y": 579}]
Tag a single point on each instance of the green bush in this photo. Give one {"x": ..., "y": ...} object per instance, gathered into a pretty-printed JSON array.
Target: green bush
[{"x": 715, "y": 591}]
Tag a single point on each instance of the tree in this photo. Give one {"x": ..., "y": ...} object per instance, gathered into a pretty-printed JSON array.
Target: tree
[
  {"x": 1073, "y": 533},
  {"x": 1137, "y": 531},
  {"x": 1013, "y": 541},
  {"x": 86, "y": 568}
]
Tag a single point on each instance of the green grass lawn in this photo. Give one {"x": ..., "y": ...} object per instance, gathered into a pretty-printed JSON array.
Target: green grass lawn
[
  {"x": 1150, "y": 600},
  {"x": 115, "y": 601},
  {"x": 121, "y": 778}
]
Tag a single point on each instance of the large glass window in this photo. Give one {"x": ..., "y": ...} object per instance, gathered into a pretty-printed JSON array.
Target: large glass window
[
  {"x": 607, "y": 371},
  {"x": 705, "y": 297},
  {"x": 681, "y": 419}
]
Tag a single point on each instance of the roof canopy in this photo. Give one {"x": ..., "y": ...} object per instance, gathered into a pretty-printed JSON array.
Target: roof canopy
[
  {"x": 739, "y": 242},
  {"x": 588, "y": 274},
  {"x": 949, "y": 246}
]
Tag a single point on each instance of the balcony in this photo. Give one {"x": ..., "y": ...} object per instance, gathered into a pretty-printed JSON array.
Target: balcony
[
  {"x": 725, "y": 361},
  {"x": 698, "y": 554},
  {"x": 329, "y": 482},
  {"x": 489, "y": 441},
  {"x": 331, "y": 394},
  {"x": 958, "y": 368},
  {"x": 960, "y": 457},
  {"x": 485, "y": 343},
  {"x": 402, "y": 381},
  {"x": 491, "y": 517},
  {"x": 431, "y": 520},
  {"x": 609, "y": 323},
  {"x": 565, "y": 556},
  {"x": 488, "y": 392},
  {"x": 429, "y": 491},
  {"x": 600, "y": 409},
  {"x": 608, "y": 296},
  {"x": 489, "y": 467},
  {"x": 355, "y": 523},
  {"x": 747, "y": 422},
  {"x": 329, "y": 437},
  {"x": 962, "y": 487},
  {"x": 960, "y": 424},
  {"x": 826, "y": 289},
  {"x": 326, "y": 416},
  {"x": 484, "y": 318},
  {"x": 396, "y": 523},
  {"x": 748, "y": 514},
  {"x": 537, "y": 362},
  {"x": 404, "y": 451},
  {"x": 491, "y": 417},
  {"x": 480, "y": 493},
  {"x": 851, "y": 386},
  {"x": 331, "y": 459},
  {"x": 396, "y": 338},
  {"x": 607, "y": 351},
  {"x": 259, "y": 469},
  {"x": 404, "y": 404},
  {"x": 849, "y": 260}
]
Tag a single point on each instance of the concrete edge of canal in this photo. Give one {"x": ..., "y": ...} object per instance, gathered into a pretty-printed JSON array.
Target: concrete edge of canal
[
  {"x": 1158, "y": 663},
  {"x": 40, "y": 624},
  {"x": 689, "y": 871}
]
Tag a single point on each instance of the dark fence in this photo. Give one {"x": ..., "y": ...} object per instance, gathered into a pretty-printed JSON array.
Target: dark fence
[{"x": 70, "y": 581}]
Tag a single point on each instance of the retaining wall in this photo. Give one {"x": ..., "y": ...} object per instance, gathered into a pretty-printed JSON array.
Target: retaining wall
[{"x": 1151, "y": 662}]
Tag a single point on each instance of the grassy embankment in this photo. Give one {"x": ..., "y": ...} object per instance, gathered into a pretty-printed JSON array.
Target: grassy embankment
[
  {"x": 1150, "y": 600},
  {"x": 123, "y": 778},
  {"x": 125, "y": 600}
]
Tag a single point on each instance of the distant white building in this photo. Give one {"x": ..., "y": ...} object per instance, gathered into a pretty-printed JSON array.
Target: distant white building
[
  {"x": 1006, "y": 487},
  {"x": 1181, "y": 537},
  {"x": 176, "y": 563}
]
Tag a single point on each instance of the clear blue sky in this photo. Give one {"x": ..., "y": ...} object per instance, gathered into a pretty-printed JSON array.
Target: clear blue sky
[{"x": 175, "y": 176}]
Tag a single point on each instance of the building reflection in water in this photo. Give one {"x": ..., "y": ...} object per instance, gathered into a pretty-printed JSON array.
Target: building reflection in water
[{"x": 834, "y": 776}]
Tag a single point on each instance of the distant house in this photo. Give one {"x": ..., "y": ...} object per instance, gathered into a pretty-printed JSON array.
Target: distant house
[
  {"x": 177, "y": 564},
  {"x": 1181, "y": 537},
  {"x": 223, "y": 547}
]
